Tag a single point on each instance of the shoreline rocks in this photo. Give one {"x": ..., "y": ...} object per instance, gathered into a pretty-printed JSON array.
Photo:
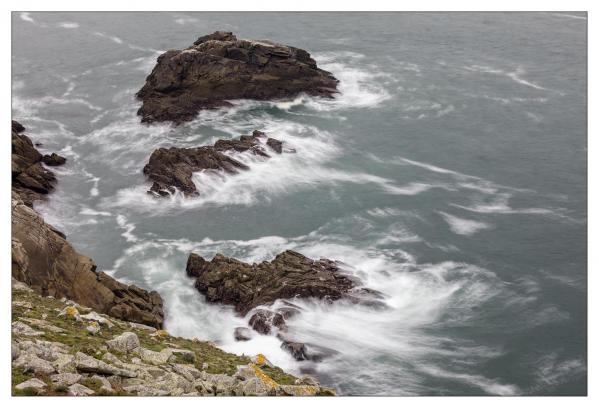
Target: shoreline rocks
[
  {"x": 220, "y": 67},
  {"x": 74, "y": 363},
  {"x": 43, "y": 258},
  {"x": 173, "y": 168},
  {"x": 290, "y": 275},
  {"x": 29, "y": 177}
]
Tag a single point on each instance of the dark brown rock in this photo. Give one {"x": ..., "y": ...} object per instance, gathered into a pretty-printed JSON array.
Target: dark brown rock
[
  {"x": 174, "y": 167},
  {"x": 297, "y": 350},
  {"x": 53, "y": 160},
  {"x": 289, "y": 275},
  {"x": 29, "y": 177},
  {"x": 263, "y": 320},
  {"x": 219, "y": 67}
]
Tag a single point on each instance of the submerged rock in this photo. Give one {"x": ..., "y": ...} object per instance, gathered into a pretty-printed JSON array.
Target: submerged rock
[
  {"x": 245, "y": 286},
  {"x": 171, "y": 168},
  {"x": 242, "y": 334},
  {"x": 219, "y": 67}
]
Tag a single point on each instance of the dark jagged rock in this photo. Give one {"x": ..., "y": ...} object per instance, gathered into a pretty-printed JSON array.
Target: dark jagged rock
[
  {"x": 219, "y": 67},
  {"x": 29, "y": 177},
  {"x": 174, "y": 167},
  {"x": 263, "y": 320},
  {"x": 53, "y": 160},
  {"x": 43, "y": 259},
  {"x": 297, "y": 350},
  {"x": 289, "y": 275}
]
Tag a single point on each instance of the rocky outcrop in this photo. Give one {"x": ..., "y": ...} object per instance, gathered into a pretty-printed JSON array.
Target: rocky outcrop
[
  {"x": 126, "y": 359},
  {"x": 290, "y": 275},
  {"x": 174, "y": 167},
  {"x": 29, "y": 177},
  {"x": 219, "y": 67},
  {"x": 44, "y": 260}
]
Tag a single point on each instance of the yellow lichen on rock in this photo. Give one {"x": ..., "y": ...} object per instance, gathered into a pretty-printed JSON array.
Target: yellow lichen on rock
[
  {"x": 161, "y": 333},
  {"x": 262, "y": 376}
]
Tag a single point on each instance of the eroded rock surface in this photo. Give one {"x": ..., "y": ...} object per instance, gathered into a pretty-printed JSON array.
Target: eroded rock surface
[
  {"x": 245, "y": 286},
  {"x": 74, "y": 363},
  {"x": 29, "y": 177},
  {"x": 173, "y": 167},
  {"x": 43, "y": 258},
  {"x": 219, "y": 67}
]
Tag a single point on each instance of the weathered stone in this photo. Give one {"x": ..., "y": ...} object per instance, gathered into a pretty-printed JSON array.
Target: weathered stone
[
  {"x": 65, "y": 378},
  {"x": 95, "y": 317},
  {"x": 78, "y": 390},
  {"x": 171, "y": 168},
  {"x": 106, "y": 386},
  {"x": 30, "y": 363},
  {"x": 42, "y": 324},
  {"x": 125, "y": 343},
  {"x": 144, "y": 327},
  {"x": 21, "y": 329},
  {"x": 289, "y": 275},
  {"x": 261, "y": 361},
  {"x": 34, "y": 383},
  {"x": 219, "y": 68},
  {"x": 155, "y": 357},
  {"x": 87, "y": 364}
]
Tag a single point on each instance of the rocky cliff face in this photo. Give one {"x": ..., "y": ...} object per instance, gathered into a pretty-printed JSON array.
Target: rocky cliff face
[
  {"x": 29, "y": 178},
  {"x": 174, "y": 167},
  {"x": 46, "y": 261},
  {"x": 219, "y": 67},
  {"x": 62, "y": 348}
]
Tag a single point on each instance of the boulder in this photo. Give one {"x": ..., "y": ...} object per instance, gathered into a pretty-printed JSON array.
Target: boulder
[
  {"x": 30, "y": 363},
  {"x": 245, "y": 286},
  {"x": 87, "y": 364},
  {"x": 34, "y": 383},
  {"x": 172, "y": 168},
  {"x": 65, "y": 378},
  {"x": 53, "y": 160},
  {"x": 263, "y": 320},
  {"x": 124, "y": 343},
  {"x": 219, "y": 67},
  {"x": 78, "y": 390}
]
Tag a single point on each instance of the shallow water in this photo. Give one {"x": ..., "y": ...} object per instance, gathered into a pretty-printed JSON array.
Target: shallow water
[{"x": 449, "y": 174}]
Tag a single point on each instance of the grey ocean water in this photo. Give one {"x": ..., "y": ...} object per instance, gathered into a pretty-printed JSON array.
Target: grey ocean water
[{"x": 451, "y": 174}]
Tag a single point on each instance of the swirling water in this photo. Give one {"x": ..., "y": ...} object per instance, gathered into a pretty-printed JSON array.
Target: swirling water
[{"x": 450, "y": 174}]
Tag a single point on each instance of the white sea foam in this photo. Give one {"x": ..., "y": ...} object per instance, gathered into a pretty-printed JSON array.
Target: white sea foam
[
  {"x": 26, "y": 17},
  {"x": 419, "y": 296},
  {"x": 515, "y": 75},
  {"x": 462, "y": 226},
  {"x": 110, "y": 37},
  {"x": 68, "y": 25}
]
